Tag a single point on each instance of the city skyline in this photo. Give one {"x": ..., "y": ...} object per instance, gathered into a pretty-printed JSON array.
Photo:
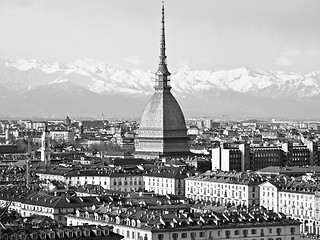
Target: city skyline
[
  {"x": 227, "y": 146},
  {"x": 209, "y": 35}
]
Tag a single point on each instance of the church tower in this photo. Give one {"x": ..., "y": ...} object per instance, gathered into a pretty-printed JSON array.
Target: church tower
[
  {"x": 45, "y": 146},
  {"x": 162, "y": 130}
]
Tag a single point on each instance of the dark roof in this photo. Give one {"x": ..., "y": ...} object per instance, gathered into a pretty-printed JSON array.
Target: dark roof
[
  {"x": 157, "y": 221},
  {"x": 40, "y": 199},
  {"x": 295, "y": 170},
  {"x": 4, "y": 149},
  {"x": 166, "y": 172},
  {"x": 130, "y": 161}
]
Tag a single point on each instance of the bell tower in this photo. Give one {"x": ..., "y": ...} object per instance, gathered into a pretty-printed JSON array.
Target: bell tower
[{"x": 45, "y": 146}]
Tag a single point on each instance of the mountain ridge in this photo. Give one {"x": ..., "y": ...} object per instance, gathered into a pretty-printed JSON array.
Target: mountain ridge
[{"x": 197, "y": 89}]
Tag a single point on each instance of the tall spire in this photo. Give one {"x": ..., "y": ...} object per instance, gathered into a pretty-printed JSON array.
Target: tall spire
[
  {"x": 163, "y": 40},
  {"x": 163, "y": 74}
]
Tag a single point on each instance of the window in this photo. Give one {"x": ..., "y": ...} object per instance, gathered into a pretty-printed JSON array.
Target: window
[
  {"x": 292, "y": 230},
  {"x": 270, "y": 230},
  {"x": 236, "y": 232},
  {"x": 253, "y": 231},
  {"x": 160, "y": 236},
  {"x": 128, "y": 234},
  {"x": 201, "y": 234},
  {"x": 227, "y": 234},
  {"x": 175, "y": 236},
  {"x": 193, "y": 235},
  {"x": 278, "y": 231},
  {"x": 219, "y": 233},
  {"x": 262, "y": 232},
  {"x": 245, "y": 233},
  {"x": 183, "y": 235},
  {"x": 132, "y": 234}
]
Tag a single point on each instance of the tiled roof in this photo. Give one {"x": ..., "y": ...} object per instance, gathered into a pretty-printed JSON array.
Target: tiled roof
[
  {"x": 295, "y": 185},
  {"x": 166, "y": 172},
  {"x": 61, "y": 202},
  {"x": 244, "y": 179},
  {"x": 159, "y": 221}
]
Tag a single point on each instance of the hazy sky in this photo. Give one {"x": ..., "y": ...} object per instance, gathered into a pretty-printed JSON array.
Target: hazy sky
[{"x": 202, "y": 34}]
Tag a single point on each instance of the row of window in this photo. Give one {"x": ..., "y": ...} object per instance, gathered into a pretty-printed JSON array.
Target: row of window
[
  {"x": 161, "y": 179},
  {"x": 214, "y": 185},
  {"x": 297, "y": 196},
  {"x": 254, "y": 232},
  {"x": 226, "y": 194},
  {"x": 245, "y": 232},
  {"x": 120, "y": 179},
  {"x": 161, "y": 185},
  {"x": 302, "y": 214},
  {"x": 126, "y": 183},
  {"x": 133, "y": 235},
  {"x": 175, "y": 236}
]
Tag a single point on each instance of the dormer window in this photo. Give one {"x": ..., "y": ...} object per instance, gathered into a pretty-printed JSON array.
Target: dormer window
[
  {"x": 133, "y": 223},
  {"x": 138, "y": 223}
]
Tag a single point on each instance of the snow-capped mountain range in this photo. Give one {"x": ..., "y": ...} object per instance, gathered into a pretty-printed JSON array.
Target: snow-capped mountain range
[{"x": 88, "y": 86}]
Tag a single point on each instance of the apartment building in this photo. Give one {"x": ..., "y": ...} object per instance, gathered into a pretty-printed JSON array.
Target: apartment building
[
  {"x": 297, "y": 199},
  {"x": 242, "y": 157},
  {"x": 62, "y": 136},
  {"x": 110, "y": 179},
  {"x": 165, "y": 180},
  {"x": 232, "y": 188},
  {"x": 55, "y": 207},
  {"x": 120, "y": 180},
  {"x": 143, "y": 224}
]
